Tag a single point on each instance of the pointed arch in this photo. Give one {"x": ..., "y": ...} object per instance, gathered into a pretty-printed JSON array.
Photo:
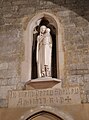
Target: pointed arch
[
  {"x": 46, "y": 109},
  {"x": 28, "y": 40}
]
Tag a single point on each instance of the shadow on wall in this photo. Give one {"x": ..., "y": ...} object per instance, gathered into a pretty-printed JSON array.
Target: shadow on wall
[{"x": 81, "y": 7}]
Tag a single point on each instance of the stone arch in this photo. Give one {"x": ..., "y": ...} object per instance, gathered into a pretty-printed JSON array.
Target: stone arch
[
  {"x": 46, "y": 109},
  {"x": 28, "y": 40}
]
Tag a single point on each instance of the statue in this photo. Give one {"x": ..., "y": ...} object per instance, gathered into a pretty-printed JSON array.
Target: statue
[{"x": 44, "y": 52}]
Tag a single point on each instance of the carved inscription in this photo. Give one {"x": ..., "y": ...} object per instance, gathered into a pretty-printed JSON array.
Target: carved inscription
[{"x": 52, "y": 97}]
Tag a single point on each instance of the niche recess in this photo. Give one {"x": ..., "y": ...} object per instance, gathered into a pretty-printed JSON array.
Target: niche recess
[
  {"x": 44, "y": 21},
  {"x": 29, "y": 67}
]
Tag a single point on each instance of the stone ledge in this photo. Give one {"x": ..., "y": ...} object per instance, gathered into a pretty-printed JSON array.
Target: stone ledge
[
  {"x": 45, "y": 79},
  {"x": 42, "y": 83}
]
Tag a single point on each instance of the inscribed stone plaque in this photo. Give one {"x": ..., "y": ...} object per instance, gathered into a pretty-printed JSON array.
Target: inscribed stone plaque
[{"x": 49, "y": 97}]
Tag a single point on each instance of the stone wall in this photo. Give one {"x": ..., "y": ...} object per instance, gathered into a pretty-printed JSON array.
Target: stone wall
[
  {"x": 78, "y": 112},
  {"x": 74, "y": 17}
]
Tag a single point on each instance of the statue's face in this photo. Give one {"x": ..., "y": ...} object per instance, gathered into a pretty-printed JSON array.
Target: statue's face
[{"x": 43, "y": 29}]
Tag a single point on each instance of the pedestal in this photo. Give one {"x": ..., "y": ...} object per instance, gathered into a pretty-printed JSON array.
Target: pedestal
[{"x": 43, "y": 83}]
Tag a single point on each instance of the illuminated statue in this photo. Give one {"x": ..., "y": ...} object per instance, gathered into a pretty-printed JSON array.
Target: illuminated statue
[{"x": 44, "y": 52}]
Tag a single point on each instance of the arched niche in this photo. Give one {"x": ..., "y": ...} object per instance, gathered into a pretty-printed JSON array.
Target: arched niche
[
  {"x": 28, "y": 40},
  {"x": 45, "y": 113},
  {"x": 49, "y": 24}
]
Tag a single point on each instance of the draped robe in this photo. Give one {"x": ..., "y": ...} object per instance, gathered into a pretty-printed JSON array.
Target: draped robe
[{"x": 44, "y": 53}]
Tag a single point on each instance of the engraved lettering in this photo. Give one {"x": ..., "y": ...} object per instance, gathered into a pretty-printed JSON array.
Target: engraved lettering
[
  {"x": 19, "y": 102},
  {"x": 32, "y": 98}
]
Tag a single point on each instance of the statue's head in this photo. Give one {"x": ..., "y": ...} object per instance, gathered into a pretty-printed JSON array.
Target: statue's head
[{"x": 43, "y": 29}]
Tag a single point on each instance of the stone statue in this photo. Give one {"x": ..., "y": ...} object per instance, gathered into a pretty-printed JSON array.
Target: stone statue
[{"x": 44, "y": 52}]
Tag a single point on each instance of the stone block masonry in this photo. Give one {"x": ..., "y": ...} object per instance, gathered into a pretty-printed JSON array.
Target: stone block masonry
[{"x": 74, "y": 17}]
